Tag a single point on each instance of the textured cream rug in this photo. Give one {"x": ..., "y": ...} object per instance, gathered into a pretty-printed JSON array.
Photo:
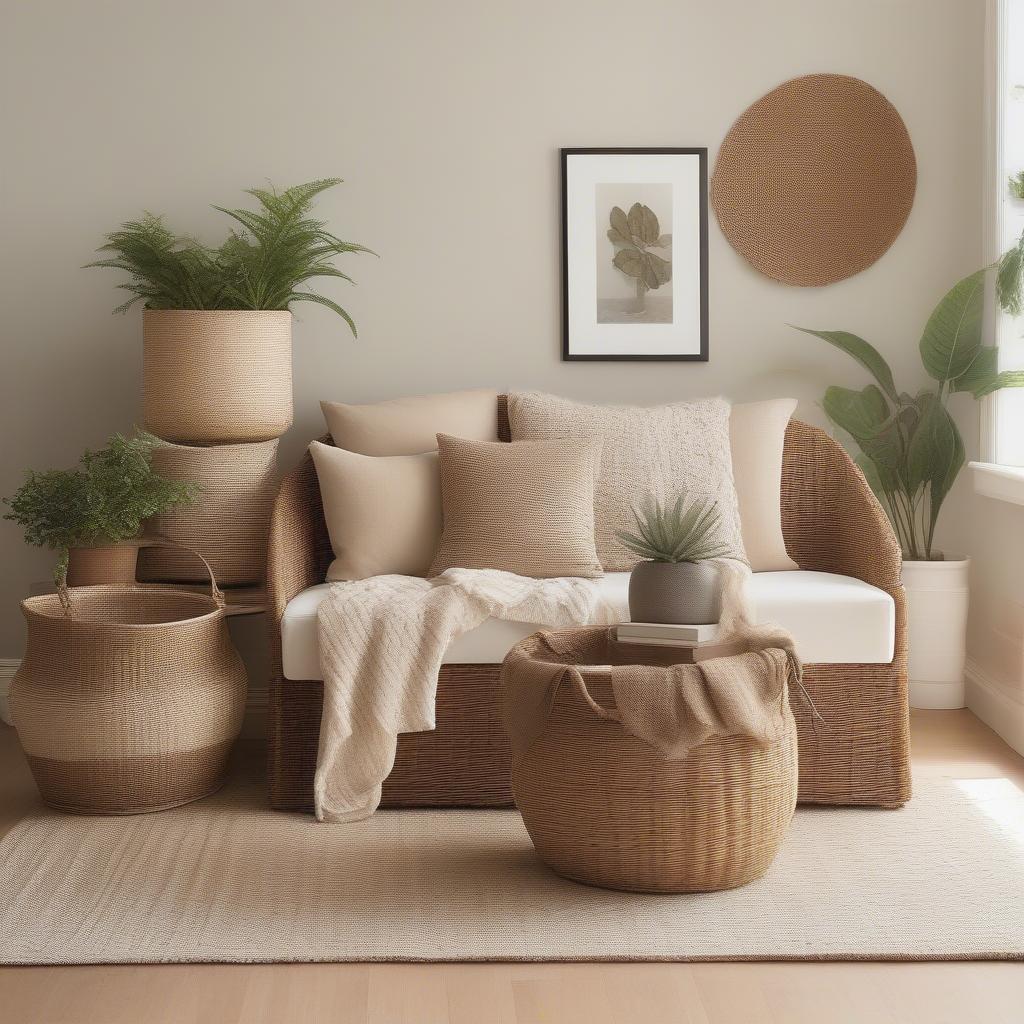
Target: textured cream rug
[{"x": 228, "y": 880}]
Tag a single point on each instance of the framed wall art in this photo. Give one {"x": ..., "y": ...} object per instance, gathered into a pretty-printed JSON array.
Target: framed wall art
[{"x": 634, "y": 254}]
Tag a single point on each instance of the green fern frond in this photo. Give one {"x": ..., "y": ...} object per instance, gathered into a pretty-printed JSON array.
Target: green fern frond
[
  {"x": 680, "y": 532},
  {"x": 106, "y": 499},
  {"x": 260, "y": 265}
]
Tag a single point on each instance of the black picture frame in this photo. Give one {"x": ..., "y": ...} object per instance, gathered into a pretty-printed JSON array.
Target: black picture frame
[{"x": 699, "y": 356}]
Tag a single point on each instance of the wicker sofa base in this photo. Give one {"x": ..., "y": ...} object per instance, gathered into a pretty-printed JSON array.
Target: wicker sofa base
[{"x": 857, "y": 755}]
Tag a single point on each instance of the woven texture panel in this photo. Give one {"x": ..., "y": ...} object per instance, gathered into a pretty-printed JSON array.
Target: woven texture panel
[
  {"x": 656, "y": 450},
  {"x": 228, "y": 521},
  {"x": 815, "y": 180},
  {"x": 229, "y": 879},
  {"x": 131, "y": 702},
  {"x": 217, "y": 376},
  {"x": 526, "y": 507}
]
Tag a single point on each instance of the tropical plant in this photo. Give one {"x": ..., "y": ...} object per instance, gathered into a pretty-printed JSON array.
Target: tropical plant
[
  {"x": 911, "y": 450},
  {"x": 680, "y": 532},
  {"x": 635, "y": 234},
  {"x": 263, "y": 264},
  {"x": 1016, "y": 185},
  {"x": 105, "y": 500}
]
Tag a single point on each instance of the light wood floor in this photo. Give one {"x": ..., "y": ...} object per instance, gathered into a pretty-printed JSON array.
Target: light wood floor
[{"x": 946, "y": 743}]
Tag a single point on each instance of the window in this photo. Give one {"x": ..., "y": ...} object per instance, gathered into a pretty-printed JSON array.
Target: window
[{"x": 1001, "y": 475}]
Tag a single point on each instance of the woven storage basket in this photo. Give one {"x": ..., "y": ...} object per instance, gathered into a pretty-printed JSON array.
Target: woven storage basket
[
  {"x": 130, "y": 701},
  {"x": 217, "y": 376},
  {"x": 603, "y": 807},
  {"x": 228, "y": 521}
]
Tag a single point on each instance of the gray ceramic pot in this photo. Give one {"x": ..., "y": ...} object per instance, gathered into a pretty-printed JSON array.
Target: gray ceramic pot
[{"x": 686, "y": 592}]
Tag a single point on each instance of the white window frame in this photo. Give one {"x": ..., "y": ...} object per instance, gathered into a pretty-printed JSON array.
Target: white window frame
[{"x": 1000, "y": 473}]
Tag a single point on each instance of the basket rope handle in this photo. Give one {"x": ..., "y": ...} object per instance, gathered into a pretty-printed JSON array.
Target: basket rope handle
[
  {"x": 156, "y": 540},
  {"x": 160, "y": 540},
  {"x": 581, "y": 687}
]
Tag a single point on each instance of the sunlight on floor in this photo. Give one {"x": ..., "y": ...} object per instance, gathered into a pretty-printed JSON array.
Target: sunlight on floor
[{"x": 1000, "y": 800}]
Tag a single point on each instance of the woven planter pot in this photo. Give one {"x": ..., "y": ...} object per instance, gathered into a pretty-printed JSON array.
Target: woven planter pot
[
  {"x": 217, "y": 376},
  {"x": 108, "y": 563},
  {"x": 129, "y": 702},
  {"x": 603, "y": 807},
  {"x": 228, "y": 521}
]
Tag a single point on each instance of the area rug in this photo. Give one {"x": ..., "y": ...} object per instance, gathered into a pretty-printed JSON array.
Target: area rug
[{"x": 229, "y": 880}]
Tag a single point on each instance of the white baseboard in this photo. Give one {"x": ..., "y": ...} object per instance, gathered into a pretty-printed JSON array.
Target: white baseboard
[
  {"x": 1001, "y": 712},
  {"x": 255, "y": 723},
  {"x": 8, "y": 666}
]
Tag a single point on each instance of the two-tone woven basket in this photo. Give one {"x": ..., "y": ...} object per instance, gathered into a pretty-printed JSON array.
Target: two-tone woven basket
[
  {"x": 128, "y": 699},
  {"x": 605, "y": 808}
]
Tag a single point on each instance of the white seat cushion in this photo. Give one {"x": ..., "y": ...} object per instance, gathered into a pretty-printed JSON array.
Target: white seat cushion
[{"x": 834, "y": 619}]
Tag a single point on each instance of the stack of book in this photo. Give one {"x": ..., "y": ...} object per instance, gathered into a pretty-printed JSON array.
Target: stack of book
[{"x": 703, "y": 640}]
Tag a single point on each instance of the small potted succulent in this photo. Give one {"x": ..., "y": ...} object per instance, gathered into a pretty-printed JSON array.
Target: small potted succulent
[
  {"x": 217, "y": 326},
  {"x": 677, "y": 581},
  {"x": 93, "y": 515}
]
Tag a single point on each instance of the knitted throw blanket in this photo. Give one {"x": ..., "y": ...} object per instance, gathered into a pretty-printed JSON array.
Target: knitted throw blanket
[{"x": 381, "y": 645}]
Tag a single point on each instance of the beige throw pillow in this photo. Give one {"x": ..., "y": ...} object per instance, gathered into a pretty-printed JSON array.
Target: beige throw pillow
[
  {"x": 660, "y": 450},
  {"x": 383, "y": 515},
  {"x": 757, "y": 434},
  {"x": 526, "y": 508},
  {"x": 407, "y": 426}
]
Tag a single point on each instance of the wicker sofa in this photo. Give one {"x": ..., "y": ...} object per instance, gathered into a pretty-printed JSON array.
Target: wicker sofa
[{"x": 832, "y": 523}]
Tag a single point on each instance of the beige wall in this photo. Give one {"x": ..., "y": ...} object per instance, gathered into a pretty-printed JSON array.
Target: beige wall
[{"x": 445, "y": 118}]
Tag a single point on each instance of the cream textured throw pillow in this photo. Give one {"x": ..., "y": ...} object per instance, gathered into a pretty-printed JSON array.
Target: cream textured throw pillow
[
  {"x": 383, "y": 515},
  {"x": 659, "y": 450},
  {"x": 526, "y": 508},
  {"x": 406, "y": 426},
  {"x": 757, "y": 432}
]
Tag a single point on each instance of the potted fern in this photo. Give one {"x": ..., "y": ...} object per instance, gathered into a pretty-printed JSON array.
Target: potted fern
[
  {"x": 676, "y": 582},
  {"x": 92, "y": 516},
  {"x": 911, "y": 452},
  {"x": 217, "y": 323}
]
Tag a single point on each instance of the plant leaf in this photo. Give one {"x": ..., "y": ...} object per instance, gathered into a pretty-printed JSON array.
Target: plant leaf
[
  {"x": 1010, "y": 278},
  {"x": 656, "y": 270},
  {"x": 630, "y": 261},
  {"x": 620, "y": 223},
  {"x": 935, "y": 454},
  {"x": 643, "y": 224},
  {"x": 1005, "y": 379},
  {"x": 952, "y": 336},
  {"x": 862, "y": 414},
  {"x": 864, "y": 352}
]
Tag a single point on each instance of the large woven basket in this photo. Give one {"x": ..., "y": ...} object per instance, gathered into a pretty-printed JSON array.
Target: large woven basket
[
  {"x": 228, "y": 521},
  {"x": 128, "y": 701},
  {"x": 603, "y": 807},
  {"x": 217, "y": 376}
]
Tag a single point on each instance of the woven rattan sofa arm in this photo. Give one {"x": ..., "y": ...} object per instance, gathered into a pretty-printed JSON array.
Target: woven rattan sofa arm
[
  {"x": 298, "y": 549},
  {"x": 831, "y": 519}
]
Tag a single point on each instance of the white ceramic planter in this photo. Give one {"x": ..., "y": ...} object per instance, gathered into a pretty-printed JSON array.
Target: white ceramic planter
[{"x": 937, "y": 600}]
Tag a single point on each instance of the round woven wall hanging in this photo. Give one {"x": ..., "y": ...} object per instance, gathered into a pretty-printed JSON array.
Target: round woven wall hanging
[{"x": 815, "y": 180}]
